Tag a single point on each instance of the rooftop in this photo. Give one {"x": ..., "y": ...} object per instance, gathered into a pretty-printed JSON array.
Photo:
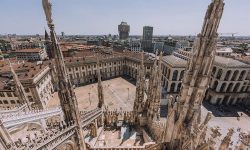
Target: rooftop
[
  {"x": 174, "y": 61},
  {"x": 224, "y": 49},
  {"x": 229, "y": 62},
  {"x": 24, "y": 70},
  {"x": 33, "y": 50}
]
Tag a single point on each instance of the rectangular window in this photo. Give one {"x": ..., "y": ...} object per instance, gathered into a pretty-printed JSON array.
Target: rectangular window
[
  {"x": 1, "y": 94},
  {"x": 14, "y": 93},
  {"x": 5, "y": 102},
  {"x": 9, "y": 94}
]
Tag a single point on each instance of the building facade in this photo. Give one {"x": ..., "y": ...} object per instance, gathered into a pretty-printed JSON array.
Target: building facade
[
  {"x": 147, "y": 39},
  {"x": 36, "y": 54},
  {"x": 229, "y": 83},
  {"x": 36, "y": 80},
  {"x": 135, "y": 46},
  {"x": 229, "y": 79},
  {"x": 123, "y": 30}
]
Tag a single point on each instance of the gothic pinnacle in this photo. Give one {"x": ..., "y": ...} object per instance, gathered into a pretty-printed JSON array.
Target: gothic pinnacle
[{"x": 19, "y": 88}]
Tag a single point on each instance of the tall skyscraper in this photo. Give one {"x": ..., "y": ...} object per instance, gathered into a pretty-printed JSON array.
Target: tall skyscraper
[
  {"x": 147, "y": 39},
  {"x": 123, "y": 30}
]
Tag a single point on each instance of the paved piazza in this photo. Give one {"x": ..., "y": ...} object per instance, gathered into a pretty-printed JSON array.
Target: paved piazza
[
  {"x": 116, "y": 97},
  {"x": 118, "y": 94}
]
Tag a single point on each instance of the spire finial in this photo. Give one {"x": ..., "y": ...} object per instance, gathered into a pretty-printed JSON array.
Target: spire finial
[{"x": 48, "y": 11}]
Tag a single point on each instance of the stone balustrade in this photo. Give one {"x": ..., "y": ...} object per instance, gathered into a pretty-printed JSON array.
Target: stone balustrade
[
  {"x": 57, "y": 139},
  {"x": 50, "y": 139},
  {"x": 86, "y": 113},
  {"x": 10, "y": 111},
  {"x": 90, "y": 116},
  {"x": 31, "y": 116},
  {"x": 146, "y": 146}
]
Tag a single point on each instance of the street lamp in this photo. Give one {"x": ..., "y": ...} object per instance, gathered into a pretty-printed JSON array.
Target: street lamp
[
  {"x": 89, "y": 98},
  {"x": 128, "y": 93}
]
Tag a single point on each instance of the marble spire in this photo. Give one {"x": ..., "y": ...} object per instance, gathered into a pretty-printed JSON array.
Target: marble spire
[
  {"x": 66, "y": 93},
  {"x": 155, "y": 90},
  {"x": 22, "y": 96},
  {"x": 196, "y": 78},
  {"x": 140, "y": 88},
  {"x": 99, "y": 86}
]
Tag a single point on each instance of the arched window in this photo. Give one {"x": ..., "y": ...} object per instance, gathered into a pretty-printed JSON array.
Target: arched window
[
  {"x": 172, "y": 87},
  {"x": 242, "y": 89},
  {"x": 218, "y": 76},
  {"x": 181, "y": 75},
  {"x": 222, "y": 88},
  {"x": 236, "y": 87},
  {"x": 165, "y": 70},
  {"x": 235, "y": 75},
  {"x": 242, "y": 74},
  {"x": 229, "y": 88},
  {"x": 168, "y": 73},
  {"x": 179, "y": 87},
  {"x": 175, "y": 75},
  {"x": 215, "y": 85},
  {"x": 227, "y": 75},
  {"x": 214, "y": 71},
  {"x": 248, "y": 89}
]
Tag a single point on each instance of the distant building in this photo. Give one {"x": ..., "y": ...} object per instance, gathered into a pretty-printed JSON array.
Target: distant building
[
  {"x": 96, "y": 42},
  {"x": 158, "y": 46},
  {"x": 224, "y": 52},
  {"x": 35, "y": 54},
  {"x": 135, "y": 46},
  {"x": 182, "y": 44},
  {"x": 171, "y": 45},
  {"x": 147, "y": 39},
  {"x": 24, "y": 43},
  {"x": 63, "y": 34},
  {"x": 123, "y": 30}
]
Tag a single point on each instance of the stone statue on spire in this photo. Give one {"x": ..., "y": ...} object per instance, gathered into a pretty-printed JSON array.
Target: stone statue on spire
[{"x": 66, "y": 93}]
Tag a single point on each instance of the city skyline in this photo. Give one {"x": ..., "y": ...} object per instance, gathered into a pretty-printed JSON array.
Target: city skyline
[{"x": 172, "y": 17}]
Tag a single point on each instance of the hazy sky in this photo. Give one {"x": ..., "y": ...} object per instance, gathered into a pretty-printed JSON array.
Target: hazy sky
[{"x": 176, "y": 17}]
